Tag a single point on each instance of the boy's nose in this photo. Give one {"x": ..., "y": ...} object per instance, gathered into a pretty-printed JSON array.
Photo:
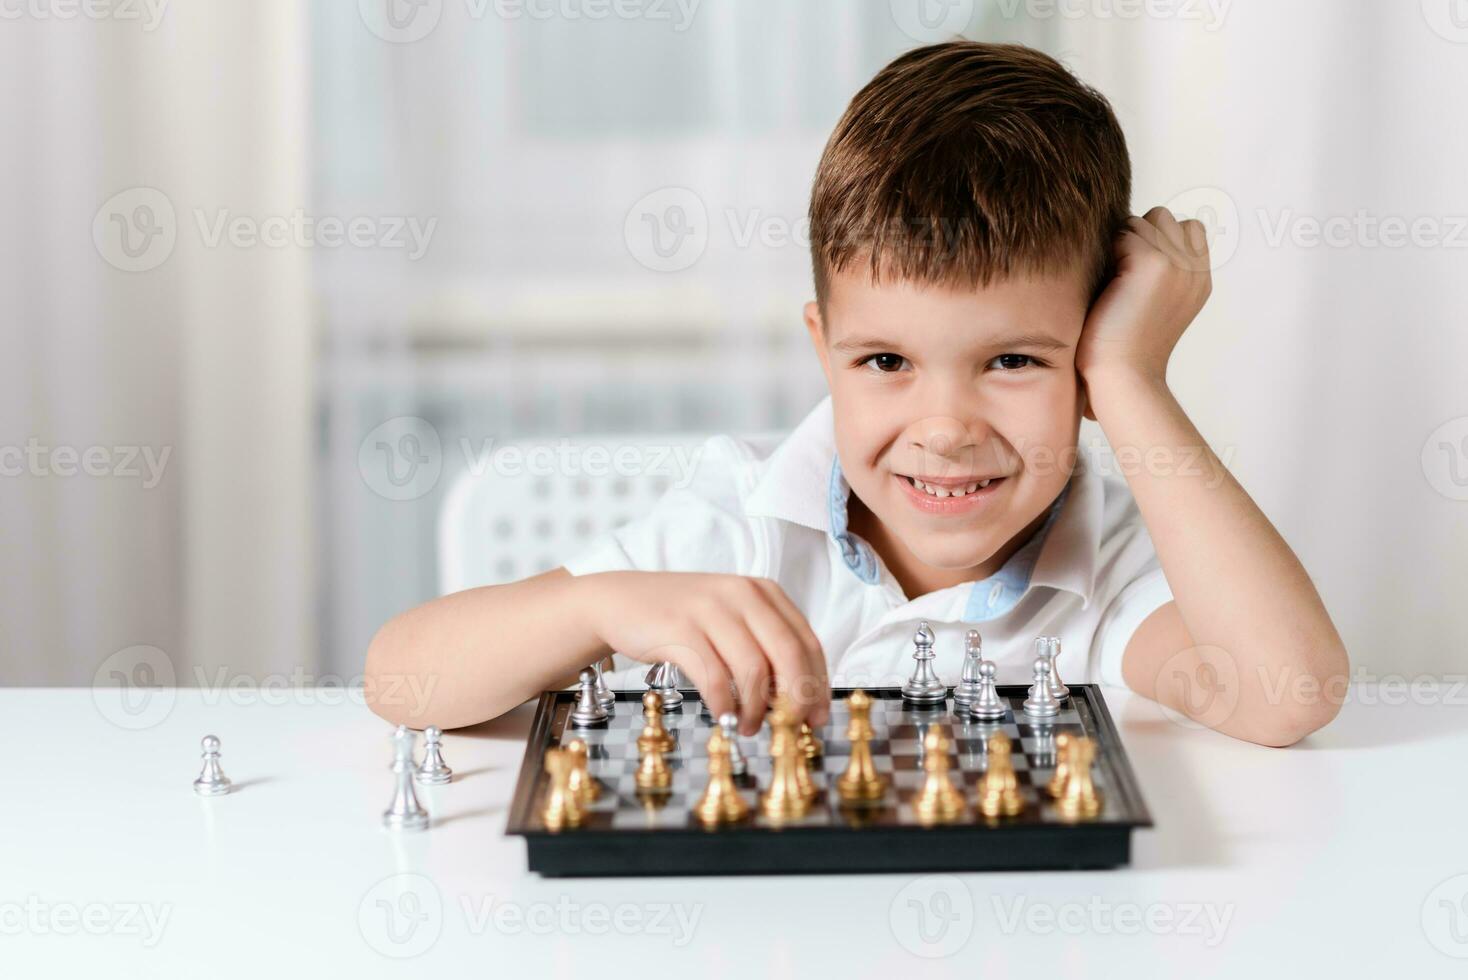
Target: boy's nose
[{"x": 941, "y": 436}]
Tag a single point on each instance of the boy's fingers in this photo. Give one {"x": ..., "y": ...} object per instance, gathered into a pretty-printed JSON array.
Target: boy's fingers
[
  {"x": 707, "y": 672},
  {"x": 746, "y": 663},
  {"x": 787, "y": 608},
  {"x": 793, "y": 674}
]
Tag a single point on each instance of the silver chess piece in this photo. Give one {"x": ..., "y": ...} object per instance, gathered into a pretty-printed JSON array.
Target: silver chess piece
[
  {"x": 663, "y": 678},
  {"x": 212, "y": 781},
  {"x": 588, "y": 711},
  {"x": 729, "y": 724},
  {"x": 924, "y": 687},
  {"x": 432, "y": 771},
  {"x": 404, "y": 812},
  {"x": 604, "y": 694},
  {"x": 969, "y": 682},
  {"x": 988, "y": 705},
  {"x": 1042, "y": 702},
  {"x": 1052, "y": 654}
]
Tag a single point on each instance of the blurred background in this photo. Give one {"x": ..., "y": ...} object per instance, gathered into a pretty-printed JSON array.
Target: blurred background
[{"x": 276, "y": 274}]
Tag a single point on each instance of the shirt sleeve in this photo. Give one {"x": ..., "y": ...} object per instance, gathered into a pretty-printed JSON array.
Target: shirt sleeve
[
  {"x": 1130, "y": 587},
  {"x": 698, "y": 525}
]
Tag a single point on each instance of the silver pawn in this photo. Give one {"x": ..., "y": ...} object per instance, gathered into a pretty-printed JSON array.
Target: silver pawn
[
  {"x": 924, "y": 687},
  {"x": 432, "y": 771},
  {"x": 604, "y": 694},
  {"x": 212, "y": 781},
  {"x": 588, "y": 710},
  {"x": 404, "y": 812},
  {"x": 663, "y": 678},
  {"x": 969, "y": 682},
  {"x": 729, "y": 725},
  {"x": 988, "y": 706},
  {"x": 1052, "y": 654},
  {"x": 1041, "y": 703}
]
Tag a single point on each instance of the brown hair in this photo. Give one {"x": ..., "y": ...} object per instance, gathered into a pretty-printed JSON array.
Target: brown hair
[{"x": 965, "y": 162}]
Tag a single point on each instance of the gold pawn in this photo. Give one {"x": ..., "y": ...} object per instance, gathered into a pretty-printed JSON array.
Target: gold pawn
[
  {"x": 652, "y": 719},
  {"x": 939, "y": 801},
  {"x": 1079, "y": 799},
  {"x": 586, "y": 789},
  {"x": 998, "y": 789},
  {"x": 1056, "y": 786},
  {"x": 562, "y": 808},
  {"x": 810, "y": 746},
  {"x": 860, "y": 782},
  {"x": 721, "y": 801},
  {"x": 652, "y": 769},
  {"x": 784, "y": 799}
]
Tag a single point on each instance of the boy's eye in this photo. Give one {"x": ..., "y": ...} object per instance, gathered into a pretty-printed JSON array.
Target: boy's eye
[
  {"x": 885, "y": 363},
  {"x": 1012, "y": 362}
]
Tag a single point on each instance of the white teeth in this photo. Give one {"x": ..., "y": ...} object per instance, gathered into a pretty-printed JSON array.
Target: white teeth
[{"x": 941, "y": 492}]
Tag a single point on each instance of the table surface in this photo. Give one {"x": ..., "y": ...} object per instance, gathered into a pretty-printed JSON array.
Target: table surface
[{"x": 1345, "y": 854}]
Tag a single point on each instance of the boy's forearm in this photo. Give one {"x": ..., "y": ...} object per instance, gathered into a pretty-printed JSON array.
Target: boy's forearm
[
  {"x": 1236, "y": 583},
  {"x": 471, "y": 656}
]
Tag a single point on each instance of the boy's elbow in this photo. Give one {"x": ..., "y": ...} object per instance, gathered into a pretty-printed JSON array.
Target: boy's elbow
[
  {"x": 1309, "y": 705},
  {"x": 388, "y": 685}
]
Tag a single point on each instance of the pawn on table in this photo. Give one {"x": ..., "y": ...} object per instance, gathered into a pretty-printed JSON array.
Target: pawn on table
[
  {"x": 998, "y": 790},
  {"x": 860, "y": 783},
  {"x": 212, "y": 781},
  {"x": 653, "y": 775},
  {"x": 586, "y": 789},
  {"x": 432, "y": 771},
  {"x": 1042, "y": 702},
  {"x": 939, "y": 801},
  {"x": 1078, "y": 799},
  {"x": 589, "y": 709},
  {"x": 562, "y": 804},
  {"x": 652, "y": 720},
  {"x": 987, "y": 705},
  {"x": 729, "y": 726}
]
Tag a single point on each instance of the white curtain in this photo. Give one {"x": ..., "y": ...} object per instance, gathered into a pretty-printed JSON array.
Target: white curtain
[{"x": 199, "y": 360}]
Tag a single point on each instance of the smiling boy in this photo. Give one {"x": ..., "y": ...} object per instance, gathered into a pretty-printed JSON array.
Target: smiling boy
[{"x": 980, "y": 286}]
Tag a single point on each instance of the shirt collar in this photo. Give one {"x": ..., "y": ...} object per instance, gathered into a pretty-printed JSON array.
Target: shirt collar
[{"x": 801, "y": 482}]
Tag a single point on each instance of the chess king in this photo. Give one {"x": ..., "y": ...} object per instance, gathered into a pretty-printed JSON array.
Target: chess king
[{"x": 979, "y": 287}]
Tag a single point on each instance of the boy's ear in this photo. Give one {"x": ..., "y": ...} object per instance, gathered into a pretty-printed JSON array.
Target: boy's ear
[{"x": 815, "y": 326}]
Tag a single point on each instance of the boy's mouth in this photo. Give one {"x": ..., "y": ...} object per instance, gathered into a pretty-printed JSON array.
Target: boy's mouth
[{"x": 953, "y": 497}]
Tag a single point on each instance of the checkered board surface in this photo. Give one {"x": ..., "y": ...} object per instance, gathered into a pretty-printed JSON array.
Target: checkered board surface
[{"x": 621, "y": 811}]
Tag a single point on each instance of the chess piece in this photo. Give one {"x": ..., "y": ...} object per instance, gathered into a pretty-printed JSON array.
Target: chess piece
[
  {"x": 588, "y": 711},
  {"x": 998, "y": 790},
  {"x": 987, "y": 705},
  {"x": 583, "y": 787},
  {"x": 721, "y": 802},
  {"x": 810, "y": 746},
  {"x": 652, "y": 719},
  {"x": 939, "y": 801},
  {"x": 924, "y": 687},
  {"x": 652, "y": 775},
  {"x": 1041, "y": 703},
  {"x": 1062, "y": 766},
  {"x": 860, "y": 782},
  {"x": 604, "y": 694},
  {"x": 1052, "y": 656},
  {"x": 970, "y": 682},
  {"x": 212, "y": 781},
  {"x": 663, "y": 678},
  {"x": 432, "y": 771},
  {"x": 784, "y": 799},
  {"x": 404, "y": 812},
  {"x": 562, "y": 808},
  {"x": 729, "y": 725},
  {"x": 1078, "y": 798}
]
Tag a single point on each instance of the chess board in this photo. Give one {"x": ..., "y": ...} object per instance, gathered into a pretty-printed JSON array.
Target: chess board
[{"x": 625, "y": 833}]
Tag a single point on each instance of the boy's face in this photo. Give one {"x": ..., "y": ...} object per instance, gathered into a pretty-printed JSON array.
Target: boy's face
[{"x": 956, "y": 385}]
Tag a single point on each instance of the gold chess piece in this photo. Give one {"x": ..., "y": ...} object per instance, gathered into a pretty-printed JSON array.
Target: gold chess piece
[
  {"x": 562, "y": 808},
  {"x": 998, "y": 792},
  {"x": 860, "y": 782},
  {"x": 1079, "y": 799},
  {"x": 810, "y": 746},
  {"x": 1056, "y": 786},
  {"x": 653, "y": 775},
  {"x": 721, "y": 802},
  {"x": 587, "y": 790},
  {"x": 939, "y": 801},
  {"x": 786, "y": 797},
  {"x": 652, "y": 719}
]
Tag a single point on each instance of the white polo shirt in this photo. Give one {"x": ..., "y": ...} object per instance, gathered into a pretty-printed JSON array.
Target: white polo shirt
[{"x": 1090, "y": 575}]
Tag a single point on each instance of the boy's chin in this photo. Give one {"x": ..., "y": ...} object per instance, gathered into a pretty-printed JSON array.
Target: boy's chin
[{"x": 949, "y": 555}]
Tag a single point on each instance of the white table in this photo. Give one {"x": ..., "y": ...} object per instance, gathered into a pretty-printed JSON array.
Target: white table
[{"x": 1334, "y": 857}]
